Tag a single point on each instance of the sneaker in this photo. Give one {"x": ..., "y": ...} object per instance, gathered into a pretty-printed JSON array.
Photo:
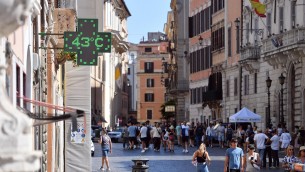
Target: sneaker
[
  {"x": 108, "y": 169},
  {"x": 143, "y": 151},
  {"x": 186, "y": 151},
  {"x": 183, "y": 150},
  {"x": 102, "y": 168},
  {"x": 272, "y": 167},
  {"x": 145, "y": 148}
]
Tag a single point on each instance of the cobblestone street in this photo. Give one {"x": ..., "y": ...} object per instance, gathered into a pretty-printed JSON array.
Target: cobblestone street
[{"x": 121, "y": 160}]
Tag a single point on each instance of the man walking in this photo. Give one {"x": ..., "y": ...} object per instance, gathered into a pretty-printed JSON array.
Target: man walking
[
  {"x": 234, "y": 161},
  {"x": 185, "y": 137},
  {"x": 259, "y": 140},
  {"x": 275, "y": 145}
]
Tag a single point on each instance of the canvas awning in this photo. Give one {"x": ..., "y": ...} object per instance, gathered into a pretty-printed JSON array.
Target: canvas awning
[{"x": 245, "y": 115}]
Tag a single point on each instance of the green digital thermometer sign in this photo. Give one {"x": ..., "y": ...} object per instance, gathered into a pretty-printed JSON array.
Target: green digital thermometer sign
[{"x": 87, "y": 42}]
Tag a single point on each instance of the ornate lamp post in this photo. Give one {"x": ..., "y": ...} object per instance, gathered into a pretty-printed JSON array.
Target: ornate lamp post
[
  {"x": 282, "y": 81},
  {"x": 268, "y": 82}
]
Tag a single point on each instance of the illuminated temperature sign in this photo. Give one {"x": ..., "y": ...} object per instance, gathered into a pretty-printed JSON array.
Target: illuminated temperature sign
[{"x": 87, "y": 42}]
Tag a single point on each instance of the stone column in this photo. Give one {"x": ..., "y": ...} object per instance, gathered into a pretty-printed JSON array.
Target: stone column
[{"x": 16, "y": 153}]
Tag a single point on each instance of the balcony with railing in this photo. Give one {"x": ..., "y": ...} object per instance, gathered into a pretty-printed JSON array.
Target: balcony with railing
[
  {"x": 250, "y": 53},
  {"x": 277, "y": 48},
  {"x": 249, "y": 58}
]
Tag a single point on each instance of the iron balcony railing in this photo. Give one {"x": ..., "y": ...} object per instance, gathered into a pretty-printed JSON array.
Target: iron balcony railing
[
  {"x": 288, "y": 39},
  {"x": 250, "y": 52}
]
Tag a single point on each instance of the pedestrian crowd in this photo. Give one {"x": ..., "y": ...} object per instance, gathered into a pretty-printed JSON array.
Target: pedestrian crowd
[{"x": 248, "y": 148}]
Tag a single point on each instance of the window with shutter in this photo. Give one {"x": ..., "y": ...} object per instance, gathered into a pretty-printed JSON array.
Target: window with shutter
[
  {"x": 281, "y": 19},
  {"x": 293, "y": 14},
  {"x": 149, "y": 114},
  {"x": 149, "y": 97},
  {"x": 150, "y": 83},
  {"x": 229, "y": 42},
  {"x": 148, "y": 49},
  {"x": 149, "y": 67},
  {"x": 235, "y": 86},
  {"x": 191, "y": 27}
]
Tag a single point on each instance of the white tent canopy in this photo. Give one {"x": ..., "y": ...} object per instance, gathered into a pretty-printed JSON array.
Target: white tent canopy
[{"x": 245, "y": 115}]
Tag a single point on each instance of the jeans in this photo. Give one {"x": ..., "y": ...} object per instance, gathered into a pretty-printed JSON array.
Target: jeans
[
  {"x": 202, "y": 167},
  {"x": 157, "y": 143},
  {"x": 267, "y": 153},
  {"x": 261, "y": 153},
  {"x": 275, "y": 158},
  {"x": 198, "y": 140},
  {"x": 125, "y": 142}
]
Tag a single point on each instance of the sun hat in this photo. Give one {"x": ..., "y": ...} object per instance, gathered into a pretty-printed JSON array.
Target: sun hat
[{"x": 302, "y": 148}]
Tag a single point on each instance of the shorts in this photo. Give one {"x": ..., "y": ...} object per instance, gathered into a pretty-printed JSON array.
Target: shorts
[
  {"x": 133, "y": 139},
  {"x": 221, "y": 137},
  {"x": 144, "y": 139},
  {"x": 105, "y": 152},
  {"x": 185, "y": 138}
]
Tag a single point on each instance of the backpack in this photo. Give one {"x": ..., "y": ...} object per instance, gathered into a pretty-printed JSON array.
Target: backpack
[
  {"x": 183, "y": 132},
  {"x": 229, "y": 131},
  {"x": 137, "y": 131},
  {"x": 148, "y": 131},
  {"x": 171, "y": 137}
]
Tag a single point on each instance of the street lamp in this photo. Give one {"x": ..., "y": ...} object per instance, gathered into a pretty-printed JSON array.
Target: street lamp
[
  {"x": 282, "y": 81},
  {"x": 268, "y": 82}
]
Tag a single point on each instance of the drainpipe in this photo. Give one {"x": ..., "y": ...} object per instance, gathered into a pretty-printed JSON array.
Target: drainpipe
[{"x": 241, "y": 42}]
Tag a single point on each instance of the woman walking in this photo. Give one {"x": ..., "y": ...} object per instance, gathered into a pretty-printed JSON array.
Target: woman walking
[
  {"x": 201, "y": 158},
  {"x": 106, "y": 144},
  {"x": 253, "y": 160}
]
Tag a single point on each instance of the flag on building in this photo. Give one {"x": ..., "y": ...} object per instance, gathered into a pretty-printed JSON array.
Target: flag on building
[
  {"x": 118, "y": 77},
  {"x": 259, "y": 8}
]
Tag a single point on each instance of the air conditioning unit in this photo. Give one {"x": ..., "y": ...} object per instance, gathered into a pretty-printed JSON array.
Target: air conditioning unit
[{"x": 36, "y": 61}]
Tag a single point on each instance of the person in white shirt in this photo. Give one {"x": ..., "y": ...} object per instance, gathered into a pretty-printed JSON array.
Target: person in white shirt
[
  {"x": 156, "y": 134},
  {"x": 275, "y": 145},
  {"x": 285, "y": 139},
  {"x": 259, "y": 140},
  {"x": 185, "y": 136},
  {"x": 221, "y": 134},
  {"x": 143, "y": 136},
  {"x": 208, "y": 133}
]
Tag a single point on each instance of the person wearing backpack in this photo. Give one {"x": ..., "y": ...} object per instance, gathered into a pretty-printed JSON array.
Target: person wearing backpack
[
  {"x": 106, "y": 145},
  {"x": 148, "y": 134}
]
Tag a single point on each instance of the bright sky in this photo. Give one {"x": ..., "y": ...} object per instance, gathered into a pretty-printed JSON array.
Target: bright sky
[{"x": 146, "y": 16}]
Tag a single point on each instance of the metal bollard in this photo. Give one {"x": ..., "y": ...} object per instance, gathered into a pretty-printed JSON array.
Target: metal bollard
[{"x": 140, "y": 165}]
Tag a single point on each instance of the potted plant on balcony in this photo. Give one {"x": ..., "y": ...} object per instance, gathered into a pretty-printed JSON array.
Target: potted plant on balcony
[{"x": 67, "y": 56}]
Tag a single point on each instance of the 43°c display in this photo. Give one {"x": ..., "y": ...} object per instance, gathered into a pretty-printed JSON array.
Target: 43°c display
[{"x": 87, "y": 42}]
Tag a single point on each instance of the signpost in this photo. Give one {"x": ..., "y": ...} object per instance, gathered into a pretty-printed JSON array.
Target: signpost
[{"x": 87, "y": 42}]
